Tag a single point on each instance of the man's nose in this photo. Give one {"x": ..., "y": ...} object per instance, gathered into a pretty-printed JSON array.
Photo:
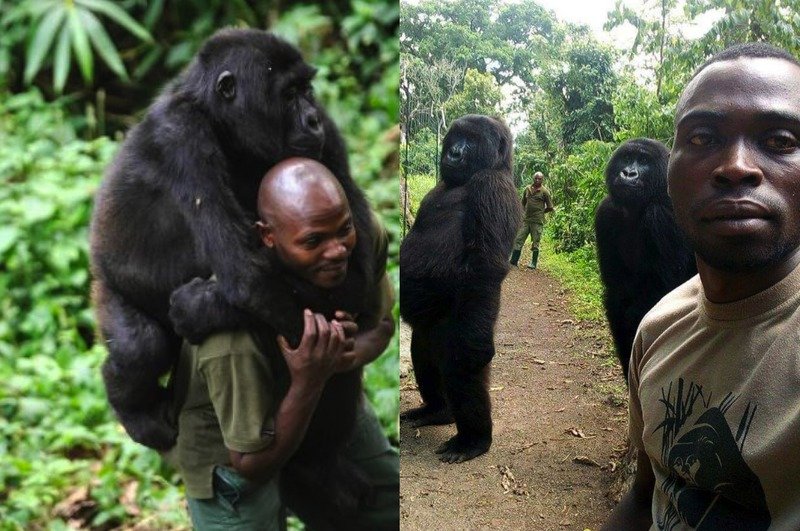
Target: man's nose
[
  {"x": 337, "y": 250},
  {"x": 737, "y": 166}
]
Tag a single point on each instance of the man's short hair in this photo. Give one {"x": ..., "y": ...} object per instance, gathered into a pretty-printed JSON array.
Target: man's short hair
[{"x": 748, "y": 49}]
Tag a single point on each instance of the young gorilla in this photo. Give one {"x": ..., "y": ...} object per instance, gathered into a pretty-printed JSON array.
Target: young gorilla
[
  {"x": 178, "y": 202},
  {"x": 452, "y": 264},
  {"x": 260, "y": 407},
  {"x": 641, "y": 252}
]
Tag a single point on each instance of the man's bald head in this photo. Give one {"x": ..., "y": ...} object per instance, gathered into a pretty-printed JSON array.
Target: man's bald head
[
  {"x": 306, "y": 220},
  {"x": 295, "y": 186}
]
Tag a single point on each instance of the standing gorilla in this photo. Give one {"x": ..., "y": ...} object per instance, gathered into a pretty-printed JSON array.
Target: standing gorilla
[
  {"x": 179, "y": 202},
  {"x": 641, "y": 252},
  {"x": 452, "y": 264}
]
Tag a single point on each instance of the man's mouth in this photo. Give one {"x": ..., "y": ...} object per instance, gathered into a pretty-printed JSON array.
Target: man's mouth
[
  {"x": 735, "y": 217},
  {"x": 734, "y": 210},
  {"x": 334, "y": 268}
]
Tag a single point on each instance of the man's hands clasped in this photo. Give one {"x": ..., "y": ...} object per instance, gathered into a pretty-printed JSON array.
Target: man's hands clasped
[{"x": 325, "y": 348}]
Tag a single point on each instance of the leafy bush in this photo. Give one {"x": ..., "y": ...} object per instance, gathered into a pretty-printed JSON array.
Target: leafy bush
[
  {"x": 418, "y": 186},
  {"x": 56, "y": 424},
  {"x": 421, "y": 155},
  {"x": 578, "y": 185},
  {"x": 66, "y": 26}
]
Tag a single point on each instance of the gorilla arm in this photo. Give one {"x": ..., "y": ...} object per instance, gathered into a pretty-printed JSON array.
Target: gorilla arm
[
  {"x": 198, "y": 184},
  {"x": 666, "y": 250},
  {"x": 607, "y": 222},
  {"x": 370, "y": 337},
  {"x": 492, "y": 218}
]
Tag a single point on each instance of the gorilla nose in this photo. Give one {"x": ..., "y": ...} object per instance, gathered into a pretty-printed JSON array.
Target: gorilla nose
[
  {"x": 455, "y": 153},
  {"x": 312, "y": 122},
  {"x": 629, "y": 173}
]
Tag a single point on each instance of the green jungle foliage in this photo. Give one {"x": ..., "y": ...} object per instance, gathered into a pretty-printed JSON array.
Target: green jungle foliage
[{"x": 63, "y": 457}]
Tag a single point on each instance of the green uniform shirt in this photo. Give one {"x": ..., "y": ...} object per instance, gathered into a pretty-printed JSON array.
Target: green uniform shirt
[
  {"x": 230, "y": 401},
  {"x": 536, "y": 202},
  {"x": 228, "y": 394}
]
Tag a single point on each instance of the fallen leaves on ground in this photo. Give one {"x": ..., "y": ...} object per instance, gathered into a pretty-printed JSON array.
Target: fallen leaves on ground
[
  {"x": 583, "y": 460},
  {"x": 509, "y": 482}
]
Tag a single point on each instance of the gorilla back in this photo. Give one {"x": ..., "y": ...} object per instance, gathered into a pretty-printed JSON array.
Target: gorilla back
[
  {"x": 179, "y": 200},
  {"x": 641, "y": 253},
  {"x": 452, "y": 264}
]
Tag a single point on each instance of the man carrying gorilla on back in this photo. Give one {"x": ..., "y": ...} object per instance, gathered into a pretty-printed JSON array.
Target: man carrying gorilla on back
[{"x": 249, "y": 398}]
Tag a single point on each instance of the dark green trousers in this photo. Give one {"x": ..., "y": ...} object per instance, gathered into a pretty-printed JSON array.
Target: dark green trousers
[{"x": 241, "y": 505}]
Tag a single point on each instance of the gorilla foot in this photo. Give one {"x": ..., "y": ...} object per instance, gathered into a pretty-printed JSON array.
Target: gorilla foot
[
  {"x": 152, "y": 428},
  {"x": 159, "y": 437},
  {"x": 459, "y": 449},
  {"x": 427, "y": 416}
]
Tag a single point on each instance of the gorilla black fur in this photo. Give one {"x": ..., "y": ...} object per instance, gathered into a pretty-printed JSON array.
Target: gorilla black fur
[
  {"x": 178, "y": 203},
  {"x": 452, "y": 265},
  {"x": 641, "y": 253}
]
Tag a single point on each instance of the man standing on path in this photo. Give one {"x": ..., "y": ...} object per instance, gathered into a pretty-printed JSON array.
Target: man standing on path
[
  {"x": 714, "y": 395},
  {"x": 536, "y": 202}
]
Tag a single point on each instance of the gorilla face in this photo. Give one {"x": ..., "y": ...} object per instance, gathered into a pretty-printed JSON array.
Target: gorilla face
[
  {"x": 257, "y": 91},
  {"x": 472, "y": 144},
  {"x": 637, "y": 172}
]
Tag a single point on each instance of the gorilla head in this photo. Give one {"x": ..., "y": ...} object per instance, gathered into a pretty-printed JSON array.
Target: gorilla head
[
  {"x": 473, "y": 143},
  {"x": 637, "y": 172},
  {"x": 249, "y": 82}
]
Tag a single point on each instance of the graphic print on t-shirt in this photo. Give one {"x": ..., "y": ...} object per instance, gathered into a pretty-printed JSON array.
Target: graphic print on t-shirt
[{"x": 709, "y": 485}]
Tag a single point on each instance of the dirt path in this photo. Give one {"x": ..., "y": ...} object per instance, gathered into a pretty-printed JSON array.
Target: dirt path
[{"x": 559, "y": 427}]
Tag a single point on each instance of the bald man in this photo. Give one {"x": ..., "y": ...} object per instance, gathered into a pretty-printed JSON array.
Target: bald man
[
  {"x": 235, "y": 432},
  {"x": 536, "y": 202}
]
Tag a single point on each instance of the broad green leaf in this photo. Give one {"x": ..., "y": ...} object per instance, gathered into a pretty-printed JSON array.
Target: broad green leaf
[
  {"x": 42, "y": 41},
  {"x": 118, "y": 15},
  {"x": 8, "y": 237},
  {"x": 102, "y": 43},
  {"x": 80, "y": 43},
  {"x": 34, "y": 209},
  {"x": 153, "y": 13},
  {"x": 62, "y": 59},
  {"x": 147, "y": 62}
]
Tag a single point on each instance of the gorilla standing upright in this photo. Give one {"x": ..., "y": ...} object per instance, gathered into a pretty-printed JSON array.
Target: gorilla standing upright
[
  {"x": 641, "y": 253},
  {"x": 452, "y": 265}
]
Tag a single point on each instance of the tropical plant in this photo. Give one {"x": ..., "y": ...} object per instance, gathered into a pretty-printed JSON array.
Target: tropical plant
[{"x": 72, "y": 29}]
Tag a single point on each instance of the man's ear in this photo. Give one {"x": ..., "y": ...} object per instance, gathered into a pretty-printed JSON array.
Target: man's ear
[{"x": 266, "y": 233}]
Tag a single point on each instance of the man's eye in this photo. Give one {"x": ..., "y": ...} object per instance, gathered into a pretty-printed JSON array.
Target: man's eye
[
  {"x": 781, "y": 143},
  {"x": 700, "y": 139},
  {"x": 344, "y": 231},
  {"x": 312, "y": 242}
]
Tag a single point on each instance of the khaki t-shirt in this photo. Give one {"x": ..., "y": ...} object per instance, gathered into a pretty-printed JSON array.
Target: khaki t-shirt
[
  {"x": 229, "y": 395},
  {"x": 715, "y": 403},
  {"x": 536, "y": 201}
]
